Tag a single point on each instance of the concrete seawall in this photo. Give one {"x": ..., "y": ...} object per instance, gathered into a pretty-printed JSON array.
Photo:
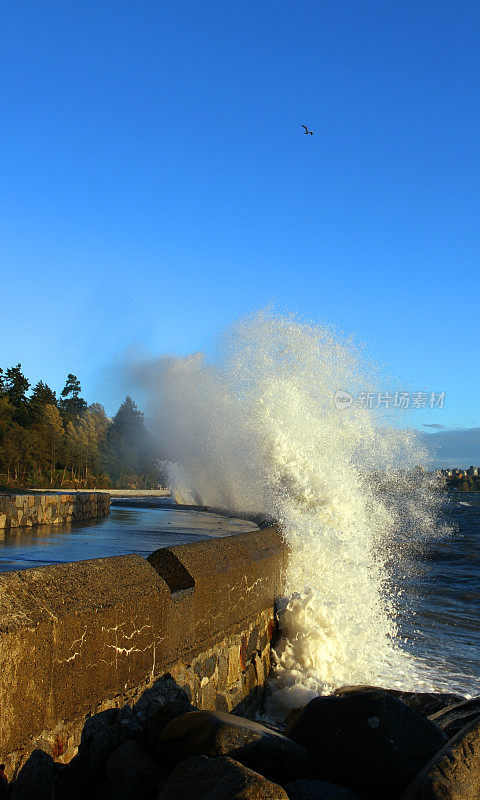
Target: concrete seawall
[
  {"x": 26, "y": 510},
  {"x": 79, "y": 638},
  {"x": 115, "y": 492}
]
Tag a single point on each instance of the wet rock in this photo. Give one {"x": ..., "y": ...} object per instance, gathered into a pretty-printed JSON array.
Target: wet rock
[
  {"x": 167, "y": 702},
  {"x": 164, "y": 701},
  {"x": 222, "y": 778},
  {"x": 75, "y": 780},
  {"x": 213, "y": 733},
  {"x": 104, "y": 732},
  {"x": 3, "y": 777},
  {"x": 454, "y": 718},
  {"x": 35, "y": 779},
  {"x": 425, "y": 703},
  {"x": 453, "y": 773},
  {"x": 292, "y": 716},
  {"x": 131, "y": 774},
  {"x": 318, "y": 790},
  {"x": 367, "y": 740},
  {"x": 163, "y": 716}
]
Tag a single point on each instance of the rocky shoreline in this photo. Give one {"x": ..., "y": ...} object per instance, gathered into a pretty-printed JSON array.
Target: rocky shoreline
[{"x": 362, "y": 743}]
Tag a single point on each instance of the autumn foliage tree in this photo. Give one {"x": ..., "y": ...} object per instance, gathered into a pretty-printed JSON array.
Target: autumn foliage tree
[{"x": 66, "y": 442}]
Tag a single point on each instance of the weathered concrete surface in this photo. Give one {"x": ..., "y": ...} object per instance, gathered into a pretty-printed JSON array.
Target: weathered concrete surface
[
  {"x": 69, "y": 637},
  {"x": 234, "y": 579},
  {"x": 25, "y": 510},
  {"x": 77, "y": 638}
]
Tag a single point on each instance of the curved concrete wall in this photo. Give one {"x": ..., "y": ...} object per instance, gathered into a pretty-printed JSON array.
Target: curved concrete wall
[
  {"x": 81, "y": 637},
  {"x": 26, "y": 510}
]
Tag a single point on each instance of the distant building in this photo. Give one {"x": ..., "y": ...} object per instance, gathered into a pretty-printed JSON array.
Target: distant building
[{"x": 456, "y": 472}]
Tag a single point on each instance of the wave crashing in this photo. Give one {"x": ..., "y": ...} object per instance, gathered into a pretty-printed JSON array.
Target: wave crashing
[{"x": 255, "y": 428}]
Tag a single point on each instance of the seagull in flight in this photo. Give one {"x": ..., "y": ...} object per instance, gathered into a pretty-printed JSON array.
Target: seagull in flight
[{"x": 306, "y": 130}]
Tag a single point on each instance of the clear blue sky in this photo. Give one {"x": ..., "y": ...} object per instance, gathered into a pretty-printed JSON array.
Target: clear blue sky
[{"x": 156, "y": 182}]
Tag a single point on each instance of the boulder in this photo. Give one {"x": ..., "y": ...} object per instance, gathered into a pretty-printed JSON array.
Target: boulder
[
  {"x": 4, "y": 791},
  {"x": 104, "y": 732},
  {"x": 367, "y": 741},
  {"x": 454, "y": 718},
  {"x": 426, "y": 703},
  {"x": 74, "y": 781},
  {"x": 214, "y": 733},
  {"x": 165, "y": 700},
  {"x": 454, "y": 772},
  {"x": 131, "y": 774},
  {"x": 158, "y": 706},
  {"x": 222, "y": 778},
  {"x": 35, "y": 779},
  {"x": 307, "y": 789},
  {"x": 291, "y": 718}
]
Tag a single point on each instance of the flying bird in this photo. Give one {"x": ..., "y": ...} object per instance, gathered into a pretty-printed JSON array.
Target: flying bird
[{"x": 307, "y": 131}]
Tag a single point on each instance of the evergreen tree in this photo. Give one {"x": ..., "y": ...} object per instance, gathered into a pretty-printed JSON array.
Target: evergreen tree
[
  {"x": 127, "y": 443},
  {"x": 70, "y": 402},
  {"x": 16, "y": 385},
  {"x": 72, "y": 386},
  {"x": 6, "y": 420},
  {"x": 41, "y": 396},
  {"x": 128, "y": 421}
]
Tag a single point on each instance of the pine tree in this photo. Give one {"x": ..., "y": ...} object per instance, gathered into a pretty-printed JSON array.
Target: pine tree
[
  {"x": 41, "y": 396},
  {"x": 70, "y": 402},
  {"x": 16, "y": 385}
]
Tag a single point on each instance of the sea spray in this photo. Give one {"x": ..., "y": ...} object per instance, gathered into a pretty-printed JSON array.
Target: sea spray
[{"x": 255, "y": 428}]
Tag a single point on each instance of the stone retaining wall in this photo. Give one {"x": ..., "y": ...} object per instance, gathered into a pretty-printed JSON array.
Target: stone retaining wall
[
  {"x": 25, "y": 510},
  {"x": 79, "y": 638}
]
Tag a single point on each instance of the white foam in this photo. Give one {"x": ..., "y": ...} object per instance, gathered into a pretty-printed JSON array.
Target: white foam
[{"x": 255, "y": 428}]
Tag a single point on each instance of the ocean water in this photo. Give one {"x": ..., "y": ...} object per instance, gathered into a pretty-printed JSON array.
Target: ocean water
[
  {"x": 132, "y": 528},
  {"x": 439, "y": 600}
]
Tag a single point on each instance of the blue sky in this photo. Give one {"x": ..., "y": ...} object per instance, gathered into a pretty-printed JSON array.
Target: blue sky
[{"x": 156, "y": 183}]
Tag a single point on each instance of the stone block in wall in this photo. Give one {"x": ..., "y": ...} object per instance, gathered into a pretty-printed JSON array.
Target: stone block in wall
[
  {"x": 27, "y": 510},
  {"x": 234, "y": 665}
]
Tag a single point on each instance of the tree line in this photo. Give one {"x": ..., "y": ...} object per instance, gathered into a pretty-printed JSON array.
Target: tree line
[
  {"x": 466, "y": 483},
  {"x": 62, "y": 441}
]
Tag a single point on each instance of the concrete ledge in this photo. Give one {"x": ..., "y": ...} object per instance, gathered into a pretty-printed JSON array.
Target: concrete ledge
[
  {"x": 218, "y": 584},
  {"x": 77, "y": 637},
  {"x": 26, "y": 510}
]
